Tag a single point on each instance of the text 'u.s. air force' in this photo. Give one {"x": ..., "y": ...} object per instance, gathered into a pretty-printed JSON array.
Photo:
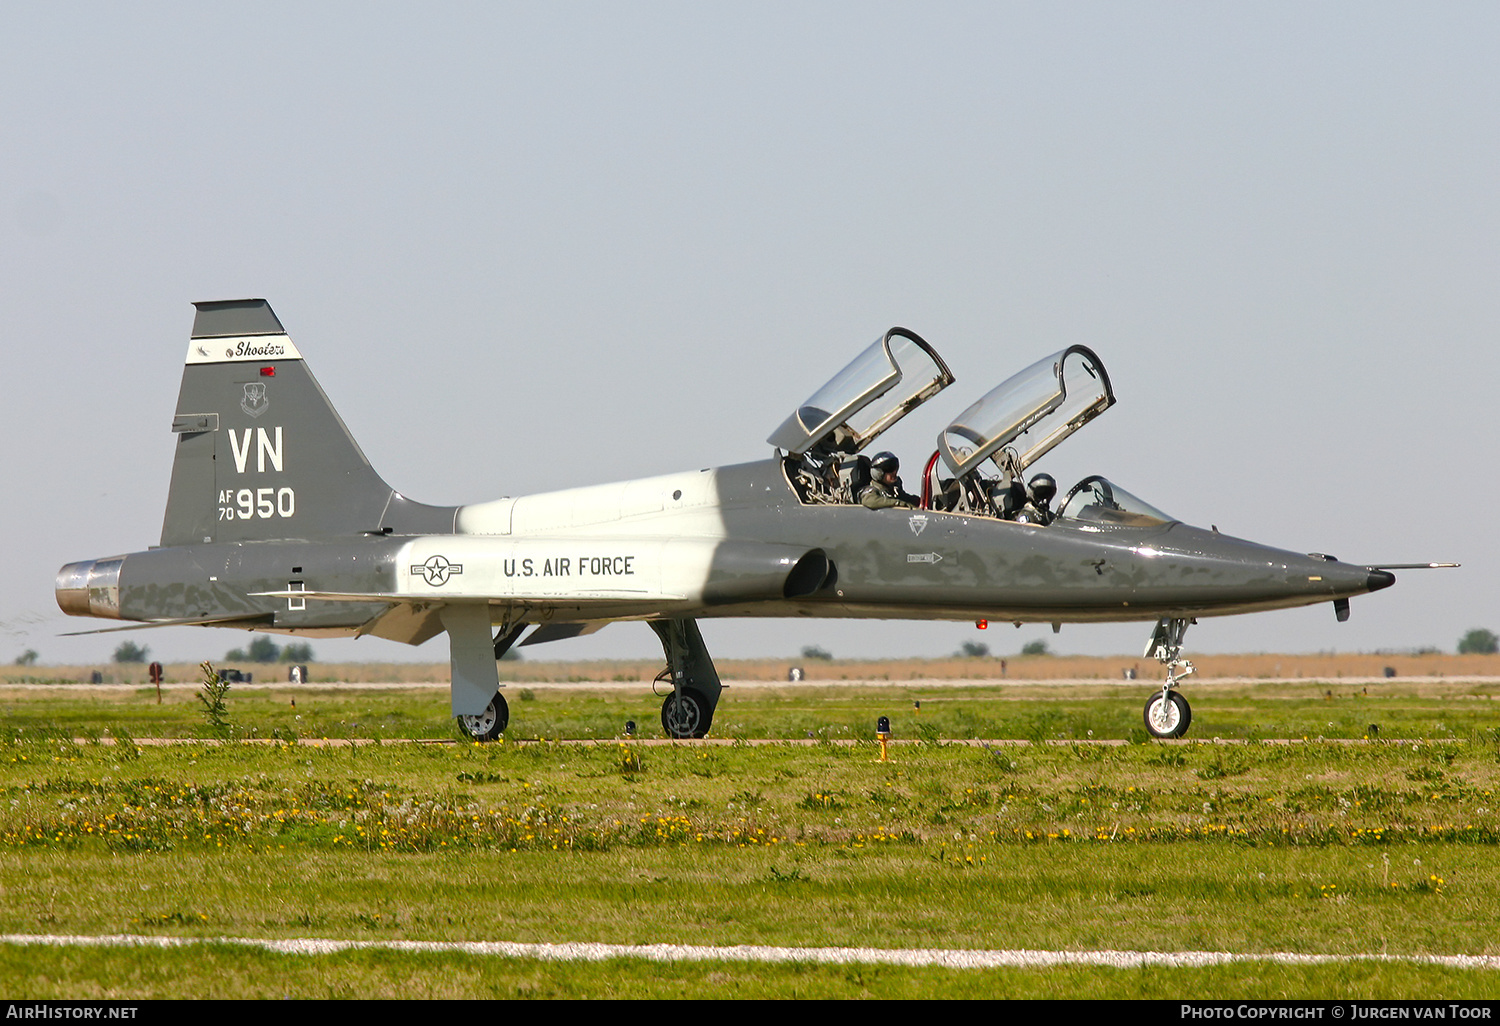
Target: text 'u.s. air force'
[{"x": 567, "y": 566}]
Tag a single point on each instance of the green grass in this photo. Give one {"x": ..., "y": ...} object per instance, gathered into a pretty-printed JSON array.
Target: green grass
[
  {"x": 1319, "y": 847},
  {"x": 1034, "y": 711}
]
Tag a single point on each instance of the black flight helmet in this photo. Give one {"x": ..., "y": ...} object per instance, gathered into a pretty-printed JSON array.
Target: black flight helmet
[
  {"x": 1043, "y": 490},
  {"x": 886, "y": 463}
]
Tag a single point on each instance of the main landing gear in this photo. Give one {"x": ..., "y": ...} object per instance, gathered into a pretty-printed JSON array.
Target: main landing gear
[
  {"x": 483, "y": 714},
  {"x": 474, "y": 655},
  {"x": 1167, "y": 712},
  {"x": 686, "y": 714},
  {"x": 488, "y": 725},
  {"x": 688, "y": 711}
]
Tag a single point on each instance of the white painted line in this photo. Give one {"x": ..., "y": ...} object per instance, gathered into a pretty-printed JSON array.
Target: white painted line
[{"x": 939, "y": 957}]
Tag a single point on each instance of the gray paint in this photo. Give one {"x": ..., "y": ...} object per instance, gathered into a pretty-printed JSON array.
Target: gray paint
[
  {"x": 223, "y": 579},
  {"x": 1021, "y": 571},
  {"x": 324, "y": 479}
]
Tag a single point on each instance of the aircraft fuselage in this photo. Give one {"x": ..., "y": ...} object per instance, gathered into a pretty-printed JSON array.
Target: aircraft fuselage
[{"x": 729, "y": 542}]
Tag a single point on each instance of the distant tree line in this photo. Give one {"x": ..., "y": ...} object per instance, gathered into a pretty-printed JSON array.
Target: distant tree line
[
  {"x": 130, "y": 652},
  {"x": 261, "y": 650},
  {"x": 1479, "y": 642},
  {"x": 264, "y": 650}
]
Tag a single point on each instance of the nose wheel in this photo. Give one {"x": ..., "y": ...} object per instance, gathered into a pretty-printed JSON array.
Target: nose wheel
[
  {"x": 1167, "y": 714},
  {"x": 488, "y": 725}
]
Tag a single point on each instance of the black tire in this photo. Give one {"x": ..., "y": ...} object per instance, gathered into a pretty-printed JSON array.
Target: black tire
[
  {"x": 1172, "y": 717},
  {"x": 691, "y": 719},
  {"x": 488, "y": 725}
]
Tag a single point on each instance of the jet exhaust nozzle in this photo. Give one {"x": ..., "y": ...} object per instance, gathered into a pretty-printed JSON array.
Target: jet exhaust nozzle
[{"x": 91, "y": 588}]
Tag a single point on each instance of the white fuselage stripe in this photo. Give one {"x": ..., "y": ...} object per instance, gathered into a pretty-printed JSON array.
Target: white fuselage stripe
[{"x": 649, "y": 540}]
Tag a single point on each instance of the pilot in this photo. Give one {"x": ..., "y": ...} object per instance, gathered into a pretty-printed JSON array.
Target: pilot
[
  {"x": 884, "y": 490},
  {"x": 1041, "y": 490}
]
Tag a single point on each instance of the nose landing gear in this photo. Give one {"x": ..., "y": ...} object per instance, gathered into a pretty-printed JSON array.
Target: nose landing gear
[{"x": 1167, "y": 712}]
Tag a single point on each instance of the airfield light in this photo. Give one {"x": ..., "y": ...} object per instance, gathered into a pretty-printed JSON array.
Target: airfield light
[
  {"x": 630, "y": 728},
  {"x": 916, "y": 706},
  {"x": 883, "y": 731}
]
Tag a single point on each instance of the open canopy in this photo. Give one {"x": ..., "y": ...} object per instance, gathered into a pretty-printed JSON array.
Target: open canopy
[
  {"x": 884, "y": 383},
  {"x": 1022, "y": 418}
]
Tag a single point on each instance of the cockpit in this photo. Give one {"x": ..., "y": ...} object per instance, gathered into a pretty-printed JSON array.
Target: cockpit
[
  {"x": 982, "y": 457},
  {"x": 823, "y": 440}
]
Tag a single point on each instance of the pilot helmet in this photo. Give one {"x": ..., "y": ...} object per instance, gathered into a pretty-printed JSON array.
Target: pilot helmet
[
  {"x": 885, "y": 463},
  {"x": 1043, "y": 489}
]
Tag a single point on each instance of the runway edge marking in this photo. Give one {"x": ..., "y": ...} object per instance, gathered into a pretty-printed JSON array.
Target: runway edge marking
[{"x": 919, "y": 957}]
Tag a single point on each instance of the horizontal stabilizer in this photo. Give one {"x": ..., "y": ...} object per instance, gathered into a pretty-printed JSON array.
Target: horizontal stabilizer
[
  {"x": 333, "y": 596},
  {"x": 248, "y": 622}
]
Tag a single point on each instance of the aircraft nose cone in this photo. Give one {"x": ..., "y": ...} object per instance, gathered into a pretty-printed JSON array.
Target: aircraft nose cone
[{"x": 1381, "y": 579}]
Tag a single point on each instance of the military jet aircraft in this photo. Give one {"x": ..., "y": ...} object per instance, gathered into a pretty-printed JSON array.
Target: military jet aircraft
[{"x": 276, "y": 521}]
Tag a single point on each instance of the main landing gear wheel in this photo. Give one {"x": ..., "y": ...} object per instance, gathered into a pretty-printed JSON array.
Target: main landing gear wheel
[
  {"x": 488, "y": 725},
  {"x": 1168, "y": 715},
  {"x": 687, "y": 716}
]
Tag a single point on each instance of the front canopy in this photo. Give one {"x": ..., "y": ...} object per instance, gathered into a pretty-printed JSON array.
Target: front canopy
[
  {"x": 1096, "y": 500},
  {"x": 1021, "y": 419},
  {"x": 887, "y": 381}
]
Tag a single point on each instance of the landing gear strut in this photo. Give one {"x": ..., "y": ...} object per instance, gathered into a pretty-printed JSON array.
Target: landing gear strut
[
  {"x": 472, "y": 653},
  {"x": 689, "y": 710},
  {"x": 1167, "y": 712},
  {"x": 491, "y": 723}
]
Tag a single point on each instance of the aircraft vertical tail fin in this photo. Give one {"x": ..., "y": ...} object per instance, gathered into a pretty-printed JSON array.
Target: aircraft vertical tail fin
[{"x": 261, "y": 452}]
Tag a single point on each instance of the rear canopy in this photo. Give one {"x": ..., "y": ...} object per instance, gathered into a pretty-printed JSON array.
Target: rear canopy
[
  {"x": 1023, "y": 417},
  {"x": 894, "y": 376}
]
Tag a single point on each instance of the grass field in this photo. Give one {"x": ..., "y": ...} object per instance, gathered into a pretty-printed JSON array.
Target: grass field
[
  {"x": 1332, "y": 845},
  {"x": 1256, "y": 666}
]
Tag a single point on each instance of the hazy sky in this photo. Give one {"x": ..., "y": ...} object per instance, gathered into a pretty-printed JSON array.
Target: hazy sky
[{"x": 533, "y": 246}]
